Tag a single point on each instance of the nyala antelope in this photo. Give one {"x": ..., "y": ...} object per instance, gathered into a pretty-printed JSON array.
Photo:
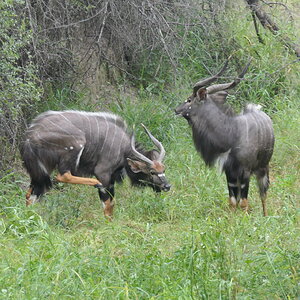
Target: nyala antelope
[
  {"x": 80, "y": 144},
  {"x": 242, "y": 144}
]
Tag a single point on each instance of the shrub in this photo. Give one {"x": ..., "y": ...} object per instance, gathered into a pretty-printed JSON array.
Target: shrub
[{"x": 19, "y": 88}]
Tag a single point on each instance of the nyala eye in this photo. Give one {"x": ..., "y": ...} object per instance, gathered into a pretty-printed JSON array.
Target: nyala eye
[{"x": 152, "y": 172}]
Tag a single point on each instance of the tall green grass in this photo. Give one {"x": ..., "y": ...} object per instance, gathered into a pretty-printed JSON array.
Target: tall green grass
[{"x": 184, "y": 244}]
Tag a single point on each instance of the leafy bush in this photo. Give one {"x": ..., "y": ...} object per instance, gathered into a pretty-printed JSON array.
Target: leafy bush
[{"x": 18, "y": 86}]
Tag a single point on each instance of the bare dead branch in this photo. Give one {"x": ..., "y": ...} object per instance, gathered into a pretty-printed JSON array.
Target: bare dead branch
[
  {"x": 121, "y": 31},
  {"x": 256, "y": 28},
  {"x": 269, "y": 24}
]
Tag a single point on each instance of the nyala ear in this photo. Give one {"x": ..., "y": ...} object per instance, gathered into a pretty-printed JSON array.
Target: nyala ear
[
  {"x": 135, "y": 166},
  {"x": 201, "y": 94}
]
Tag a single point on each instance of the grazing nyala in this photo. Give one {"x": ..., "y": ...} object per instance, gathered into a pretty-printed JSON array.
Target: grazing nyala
[
  {"x": 79, "y": 144},
  {"x": 242, "y": 144}
]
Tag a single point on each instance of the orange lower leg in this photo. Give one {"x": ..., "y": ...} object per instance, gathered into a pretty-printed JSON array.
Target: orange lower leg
[
  {"x": 263, "y": 201},
  {"x": 244, "y": 204},
  {"x": 28, "y": 194},
  {"x": 108, "y": 208},
  {"x": 69, "y": 178}
]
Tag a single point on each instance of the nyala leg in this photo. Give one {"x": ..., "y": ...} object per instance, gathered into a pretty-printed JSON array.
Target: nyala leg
[
  {"x": 233, "y": 189},
  {"x": 107, "y": 197},
  {"x": 37, "y": 189},
  {"x": 67, "y": 177},
  {"x": 263, "y": 182},
  {"x": 244, "y": 194},
  {"x": 28, "y": 196}
]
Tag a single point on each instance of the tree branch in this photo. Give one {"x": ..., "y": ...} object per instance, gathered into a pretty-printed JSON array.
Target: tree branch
[
  {"x": 268, "y": 23},
  {"x": 256, "y": 28}
]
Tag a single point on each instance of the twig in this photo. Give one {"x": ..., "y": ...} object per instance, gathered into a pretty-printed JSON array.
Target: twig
[{"x": 260, "y": 40}]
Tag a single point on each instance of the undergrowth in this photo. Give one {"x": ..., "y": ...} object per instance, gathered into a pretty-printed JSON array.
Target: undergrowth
[{"x": 184, "y": 244}]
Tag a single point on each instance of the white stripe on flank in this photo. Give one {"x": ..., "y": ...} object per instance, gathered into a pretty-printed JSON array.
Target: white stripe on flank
[
  {"x": 97, "y": 138},
  {"x": 106, "y": 132},
  {"x": 67, "y": 132},
  {"x": 113, "y": 139},
  {"x": 78, "y": 157},
  {"x": 120, "y": 144},
  {"x": 61, "y": 114},
  {"x": 89, "y": 123}
]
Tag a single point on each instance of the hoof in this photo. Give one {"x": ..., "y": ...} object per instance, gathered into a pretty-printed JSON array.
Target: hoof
[
  {"x": 31, "y": 200},
  {"x": 232, "y": 203},
  {"x": 244, "y": 205}
]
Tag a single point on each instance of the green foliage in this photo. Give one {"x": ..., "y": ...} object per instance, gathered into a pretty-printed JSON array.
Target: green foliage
[{"x": 18, "y": 81}]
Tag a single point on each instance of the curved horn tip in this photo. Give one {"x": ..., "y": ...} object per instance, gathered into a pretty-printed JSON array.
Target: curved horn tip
[
  {"x": 137, "y": 154},
  {"x": 157, "y": 143},
  {"x": 146, "y": 129}
]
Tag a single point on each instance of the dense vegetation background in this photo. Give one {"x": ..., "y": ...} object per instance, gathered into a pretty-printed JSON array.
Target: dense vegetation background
[{"x": 140, "y": 59}]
